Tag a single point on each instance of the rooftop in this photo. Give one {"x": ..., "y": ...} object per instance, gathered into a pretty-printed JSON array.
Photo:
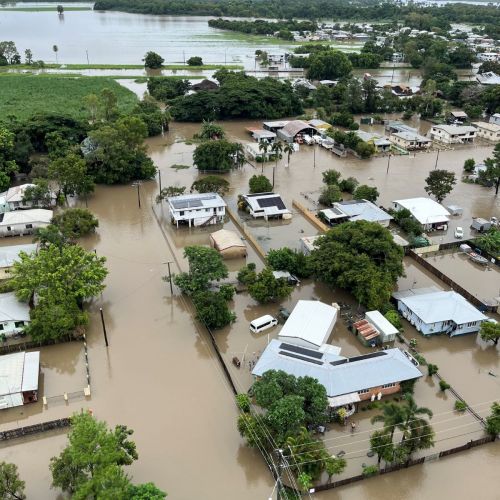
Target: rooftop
[
  {"x": 362, "y": 210},
  {"x": 270, "y": 203},
  {"x": 433, "y": 306},
  {"x": 488, "y": 78},
  {"x": 380, "y": 322},
  {"x": 11, "y": 309},
  {"x": 454, "y": 129},
  {"x": 339, "y": 375},
  {"x": 411, "y": 136},
  {"x": 226, "y": 239},
  {"x": 18, "y": 373},
  {"x": 425, "y": 210},
  {"x": 16, "y": 193},
  {"x": 204, "y": 200},
  {"x": 491, "y": 127},
  {"x": 293, "y": 127},
  {"x": 8, "y": 255},
  {"x": 311, "y": 321},
  {"x": 27, "y": 216}
]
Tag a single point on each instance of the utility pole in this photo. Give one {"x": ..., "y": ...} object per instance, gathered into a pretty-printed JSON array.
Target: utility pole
[
  {"x": 280, "y": 467},
  {"x": 159, "y": 179},
  {"x": 104, "y": 327},
  {"x": 314, "y": 156},
  {"x": 274, "y": 169},
  {"x": 170, "y": 277},
  {"x": 87, "y": 52},
  {"x": 437, "y": 158},
  {"x": 138, "y": 185},
  {"x": 388, "y": 163}
]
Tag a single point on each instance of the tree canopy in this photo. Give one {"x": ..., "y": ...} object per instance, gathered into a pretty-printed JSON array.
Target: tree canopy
[
  {"x": 211, "y": 184},
  {"x": 490, "y": 331},
  {"x": 267, "y": 288},
  {"x": 440, "y": 183},
  {"x": 219, "y": 155},
  {"x": 152, "y": 60},
  {"x": 11, "y": 487},
  {"x": 73, "y": 223},
  {"x": 259, "y": 184}
]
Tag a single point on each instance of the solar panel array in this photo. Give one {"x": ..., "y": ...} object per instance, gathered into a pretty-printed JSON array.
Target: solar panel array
[
  {"x": 301, "y": 350},
  {"x": 275, "y": 201},
  {"x": 303, "y": 358}
]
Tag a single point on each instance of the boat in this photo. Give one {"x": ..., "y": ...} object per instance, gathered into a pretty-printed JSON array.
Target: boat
[{"x": 478, "y": 259}]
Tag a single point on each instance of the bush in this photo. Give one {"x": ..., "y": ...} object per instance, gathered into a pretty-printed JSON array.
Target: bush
[
  {"x": 408, "y": 386},
  {"x": 286, "y": 259},
  {"x": 260, "y": 184},
  {"x": 212, "y": 310},
  {"x": 153, "y": 60},
  {"x": 266, "y": 288},
  {"x": 443, "y": 385},
  {"x": 365, "y": 192},
  {"x": 432, "y": 369},
  {"x": 243, "y": 402},
  {"x": 348, "y": 185},
  {"x": 469, "y": 165},
  {"x": 331, "y": 177},
  {"x": 227, "y": 291},
  {"x": 460, "y": 405},
  {"x": 74, "y": 223},
  {"x": 329, "y": 195},
  {"x": 420, "y": 359},
  {"x": 394, "y": 319},
  {"x": 195, "y": 61},
  {"x": 370, "y": 470},
  {"x": 247, "y": 274}
]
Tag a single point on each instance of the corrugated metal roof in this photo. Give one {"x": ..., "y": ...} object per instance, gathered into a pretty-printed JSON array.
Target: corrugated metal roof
[
  {"x": 27, "y": 217},
  {"x": 31, "y": 371},
  {"x": 292, "y": 128},
  {"x": 11, "y": 309},
  {"x": 204, "y": 200},
  {"x": 363, "y": 210},
  {"x": 8, "y": 255},
  {"x": 425, "y": 210}
]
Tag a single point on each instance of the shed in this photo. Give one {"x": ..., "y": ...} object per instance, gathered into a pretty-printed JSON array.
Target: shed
[
  {"x": 228, "y": 244},
  {"x": 386, "y": 329},
  {"x": 310, "y": 324},
  {"x": 296, "y": 129}
]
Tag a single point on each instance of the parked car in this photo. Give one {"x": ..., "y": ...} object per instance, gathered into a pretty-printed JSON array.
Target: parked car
[
  {"x": 459, "y": 232},
  {"x": 263, "y": 323}
]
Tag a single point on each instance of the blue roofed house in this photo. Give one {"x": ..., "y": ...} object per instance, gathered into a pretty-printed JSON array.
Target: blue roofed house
[
  {"x": 433, "y": 311},
  {"x": 347, "y": 380}
]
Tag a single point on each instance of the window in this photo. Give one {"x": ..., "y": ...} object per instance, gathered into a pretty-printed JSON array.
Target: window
[
  {"x": 1, "y": 326},
  {"x": 473, "y": 323},
  {"x": 19, "y": 324},
  {"x": 29, "y": 226},
  {"x": 364, "y": 391},
  {"x": 9, "y": 228},
  {"x": 181, "y": 212},
  {"x": 386, "y": 386}
]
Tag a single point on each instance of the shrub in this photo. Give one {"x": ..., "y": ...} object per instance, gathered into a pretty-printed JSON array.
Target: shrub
[
  {"x": 370, "y": 470},
  {"x": 153, "y": 60},
  {"x": 432, "y": 369},
  {"x": 243, "y": 402},
  {"x": 74, "y": 223},
  {"x": 365, "y": 192},
  {"x": 394, "y": 319},
  {"x": 227, "y": 291},
  {"x": 420, "y": 359},
  {"x": 212, "y": 310},
  {"x": 329, "y": 195},
  {"x": 331, "y": 177},
  {"x": 195, "y": 61},
  {"x": 460, "y": 405},
  {"x": 348, "y": 185},
  {"x": 443, "y": 385},
  {"x": 247, "y": 275},
  {"x": 259, "y": 184}
]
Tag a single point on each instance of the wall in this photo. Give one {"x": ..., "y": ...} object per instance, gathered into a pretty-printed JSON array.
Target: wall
[
  {"x": 20, "y": 229},
  {"x": 9, "y": 328},
  {"x": 375, "y": 390}
]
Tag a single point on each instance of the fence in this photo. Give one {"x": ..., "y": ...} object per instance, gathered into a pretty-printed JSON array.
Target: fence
[
  {"x": 35, "y": 429},
  {"x": 24, "y": 346},
  {"x": 310, "y": 217},
  {"x": 260, "y": 251},
  {"x": 453, "y": 284},
  {"x": 409, "y": 463}
]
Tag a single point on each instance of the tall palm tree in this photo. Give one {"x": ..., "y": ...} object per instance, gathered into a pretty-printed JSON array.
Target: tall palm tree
[
  {"x": 393, "y": 417},
  {"x": 412, "y": 416},
  {"x": 288, "y": 150},
  {"x": 277, "y": 149},
  {"x": 263, "y": 146}
]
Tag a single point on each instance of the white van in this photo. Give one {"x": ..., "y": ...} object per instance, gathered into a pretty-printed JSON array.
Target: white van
[{"x": 263, "y": 323}]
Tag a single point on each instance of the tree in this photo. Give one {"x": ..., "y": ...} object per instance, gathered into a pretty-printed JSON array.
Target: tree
[
  {"x": 39, "y": 195},
  {"x": 146, "y": 491},
  {"x": 205, "y": 265},
  {"x": 67, "y": 271},
  {"x": 490, "y": 331},
  {"x": 212, "y": 309},
  {"x": 492, "y": 172},
  {"x": 381, "y": 444},
  {"x": 60, "y": 9},
  {"x": 365, "y": 192},
  {"x": 149, "y": 112},
  {"x": 365, "y": 149},
  {"x": 28, "y": 57},
  {"x": 70, "y": 174},
  {"x": 440, "y": 183},
  {"x": 152, "y": 60},
  {"x": 55, "y": 49},
  {"x": 259, "y": 184},
  {"x": 264, "y": 146},
  {"x": 360, "y": 257},
  {"x": 329, "y": 195},
  {"x": 469, "y": 165},
  {"x": 393, "y": 417},
  {"x": 488, "y": 66},
  {"x": 210, "y": 131},
  {"x": 305, "y": 481},
  {"x": 288, "y": 149},
  {"x": 75, "y": 223},
  {"x": 286, "y": 259},
  {"x": 267, "y": 288},
  {"x": 170, "y": 191},
  {"x": 8, "y": 165},
  {"x": 108, "y": 101},
  {"x": 211, "y": 184},
  {"x": 49, "y": 235},
  {"x": 493, "y": 420},
  {"x": 90, "y": 465},
  {"x": 164, "y": 88},
  {"x": 247, "y": 274},
  {"x": 195, "y": 61},
  {"x": 11, "y": 487},
  {"x": 331, "y": 177},
  {"x": 329, "y": 65},
  {"x": 216, "y": 155},
  {"x": 348, "y": 185},
  {"x": 413, "y": 419},
  {"x": 490, "y": 242}
]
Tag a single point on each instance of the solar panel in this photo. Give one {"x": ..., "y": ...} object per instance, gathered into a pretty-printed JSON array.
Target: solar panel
[
  {"x": 296, "y": 356},
  {"x": 275, "y": 201},
  {"x": 339, "y": 362},
  {"x": 180, "y": 204},
  {"x": 367, "y": 356},
  {"x": 301, "y": 350}
]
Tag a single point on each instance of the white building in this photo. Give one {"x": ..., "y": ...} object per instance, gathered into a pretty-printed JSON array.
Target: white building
[
  {"x": 19, "y": 378},
  {"x": 427, "y": 212},
  {"x": 453, "y": 134},
  {"x": 14, "y": 315},
  {"x": 495, "y": 119},
  {"x": 196, "y": 209},
  {"x": 22, "y": 222},
  {"x": 488, "y": 78},
  {"x": 307, "y": 244},
  {"x": 385, "y": 328},
  {"x": 487, "y": 131},
  {"x": 434, "y": 311},
  {"x": 488, "y": 56},
  {"x": 13, "y": 198},
  {"x": 309, "y": 325},
  {"x": 9, "y": 255},
  {"x": 363, "y": 210},
  {"x": 267, "y": 205},
  {"x": 410, "y": 140}
]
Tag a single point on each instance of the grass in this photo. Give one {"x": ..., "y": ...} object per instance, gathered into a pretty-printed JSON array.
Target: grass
[
  {"x": 24, "y": 95},
  {"x": 42, "y": 9},
  {"x": 130, "y": 66}
]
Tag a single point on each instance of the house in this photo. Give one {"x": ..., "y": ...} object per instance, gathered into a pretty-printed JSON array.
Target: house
[
  {"x": 333, "y": 216},
  {"x": 267, "y": 205},
  {"x": 14, "y": 315},
  {"x": 487, "y": 131},
  {"x": 13, "y": 198},
  {"x": 385, "y": 328},
  {"x": 205, "y": 85},
  {"x": 9, "y": 255},
  {"x": 309, "y": 325},
  {"x": 19, "y": 378},
  {"x": 320, "y": 125},
  {"x": 452, "y": 134},
  {"x": 347, "y": 380},
  {"x": 261, "y": 135},
  {"x": 488, "y": 56},
  {"x": 429, "y": 213},
  {"x": 434, "y": 311},
  {"x": 410, "y": 140},
  {"x": 495, "y": 119},
  {"x": 307, "y": 244},
  {"x": 22, "y": 222},
  {"x": 354, "y": 210},
  {"x": 295, "y": 130},
  {"x": 381, "y": 143},
  {"x": 458, "y": 116},
  {"x": 228, "y": 244},
  {"x": 488, "y": 78},
  {"x": 196, "y": 209}
]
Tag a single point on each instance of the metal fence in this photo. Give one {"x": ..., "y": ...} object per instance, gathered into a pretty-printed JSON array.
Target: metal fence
[{"x": 35, "y": 429}]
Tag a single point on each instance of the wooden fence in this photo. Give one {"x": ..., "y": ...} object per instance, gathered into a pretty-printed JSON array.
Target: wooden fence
[
  {"x": 249, "y": 236},
  {"x": 31, "y": 344},
  {"x": 311, "y": 217},
  {"x": 35, "y": 429}
]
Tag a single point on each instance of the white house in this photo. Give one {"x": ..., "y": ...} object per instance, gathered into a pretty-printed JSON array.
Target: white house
[
  {"x": 487, "y": 131},
  {"x": 452, "y": 134},
  {"x": 267, "y": 205},
  {"x": 14, "y": 315},
  {"x": 495, "y": 119},
  {"x": 427, "y": 212},
  {"x": 22, "y": 222},
  {"x": 488, "y": 78},
  {"x": 19, "y": 378},
  {"x": 9, "y": 255},
  {"x": 12, "y": 199},
  {"x": 310, "y": 324},
  {"x": 196, "y": 209},
  {"x": 410, "y": 140},
  {"x": 434, "y": 311},
  {"x": 385, "y": 328},
  {"x": 363, "y": 210}
]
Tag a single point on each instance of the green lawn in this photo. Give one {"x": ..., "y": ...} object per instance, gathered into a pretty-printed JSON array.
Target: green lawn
[
  {"x": 24, "y": 95},
  {"x": 129, "y": 66},
  {"x": 42, "y": 9}
]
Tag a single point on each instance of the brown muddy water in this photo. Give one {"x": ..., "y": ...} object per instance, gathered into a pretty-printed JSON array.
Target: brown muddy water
[{"x": 160, "y": 377}]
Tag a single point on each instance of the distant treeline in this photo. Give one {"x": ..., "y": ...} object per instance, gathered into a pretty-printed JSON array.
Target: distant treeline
[
  {"x": 261, "y": 27},
  {"x": 369, "y": 10}
]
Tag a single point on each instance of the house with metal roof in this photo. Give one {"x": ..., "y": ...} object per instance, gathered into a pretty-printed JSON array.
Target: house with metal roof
[
  {"x": 12, "y": 199},
  {"x": 310, "y": 324},
  {"x": 488, "y": 131},
  {"x": 429, "y": 213},
  {"x": 363, "y": 210},
  {"x": 14, "y": 315},
  {"x": 321, "y": 125},
  {"x": 19, "y": 378},
  {"x": 196, "y": 209},
  {"x": 10, "y": 254},
  {"x": 495, "y": 118},
  {"x": 488, "y": 78},
  {"x": 381, "y": 143},
  {"x": 266, "y": 205},
  {"x": 452, "y": 134},
  {"x": 20, "y": 222},
  {"x": 433, "y": 311},
  {"x": 410, "y": 140},
  {"x": 346, "y": 380},
  {"x": 295, "y": 130}
]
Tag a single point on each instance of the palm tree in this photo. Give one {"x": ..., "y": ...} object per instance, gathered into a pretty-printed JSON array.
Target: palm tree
[
  {"x": 263, "y": 146},
  {"x": 393, "y": 417},
  {"x": 412, "y": 412},
  {"x": 55, "y": 48},
  {"x": 277, "y": 149},
  {"x": 288, "y": 150}
]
